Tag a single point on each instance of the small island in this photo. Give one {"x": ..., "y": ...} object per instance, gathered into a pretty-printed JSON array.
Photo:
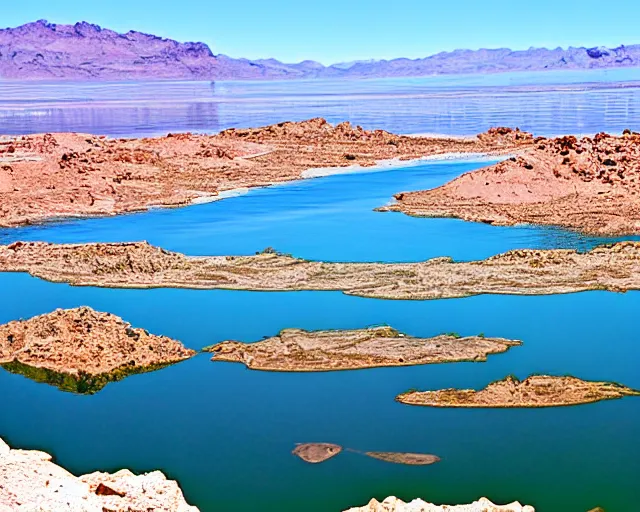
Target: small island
[
  {"x": 297, "y": 350},
  {"x": 81, "y": 350},
  {"x": 535, "y": 391}
]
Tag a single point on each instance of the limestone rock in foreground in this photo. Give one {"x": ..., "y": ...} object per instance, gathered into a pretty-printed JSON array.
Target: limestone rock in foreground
[
  {"x": 535, "y": 391},
  {"x": 300, "y": 350},
  {"x": 591, "y": 184},
  {"x": 393, "y": 504},
  {"x": 518, "y": 272},
  {"x": 31, "y": 482},
  {"x": 82, "y": 350}
]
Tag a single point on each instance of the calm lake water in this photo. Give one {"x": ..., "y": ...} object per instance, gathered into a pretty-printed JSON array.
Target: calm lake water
[
  {"x": 550, "y": 103},
  {"x": 225, "y": 433}
]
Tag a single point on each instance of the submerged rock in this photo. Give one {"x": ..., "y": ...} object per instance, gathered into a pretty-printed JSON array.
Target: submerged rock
[
  {"x": 393, "y": 504},
  {"x": 31, "y": 482},
  {"x": 535, "y": 391},
  {"x": 410, "y": 459},
  {"x": 298, "y": 350},
  {"x": 315, "y": 453},
  {"x": 81, "y": 350}
]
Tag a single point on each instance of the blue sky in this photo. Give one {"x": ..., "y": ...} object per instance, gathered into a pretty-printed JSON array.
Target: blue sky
[{"x": 344, "y": 30}]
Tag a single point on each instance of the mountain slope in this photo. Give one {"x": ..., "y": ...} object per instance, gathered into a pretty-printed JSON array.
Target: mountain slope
[{"x": 83, "y": 51}]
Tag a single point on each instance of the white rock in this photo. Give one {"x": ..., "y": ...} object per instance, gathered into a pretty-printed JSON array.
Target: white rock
[
  {"x": 393, "y": 504},
  {"x": 31, "y": 482}
]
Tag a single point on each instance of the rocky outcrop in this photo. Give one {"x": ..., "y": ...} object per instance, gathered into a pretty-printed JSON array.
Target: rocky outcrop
[
  {"x": 82, "y": 350},
  {"x": 298, "y": 350},
  {"x": 590, "y": 184},
  {"x": 393, "y": 504},
  {"x": 86, "y": 51},
  {"x": 49, "y": 176},
  {"x": 535, "y": 391},
  {"x": 518, "y": 272},
  {"x": 31, "y": 482}
]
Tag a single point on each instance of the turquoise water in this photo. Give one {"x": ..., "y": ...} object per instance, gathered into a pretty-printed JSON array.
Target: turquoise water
[{"x": 226, "y": 433}]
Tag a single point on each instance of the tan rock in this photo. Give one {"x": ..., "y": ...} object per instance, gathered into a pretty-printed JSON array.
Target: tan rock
[{"x": 31, "y": 482}]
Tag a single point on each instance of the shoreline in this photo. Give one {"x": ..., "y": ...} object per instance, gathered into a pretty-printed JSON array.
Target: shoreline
[{"x": 61, "y": 175}]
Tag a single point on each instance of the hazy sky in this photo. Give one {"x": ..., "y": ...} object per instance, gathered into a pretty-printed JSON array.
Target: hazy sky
[{"x": 342, "y": 30}]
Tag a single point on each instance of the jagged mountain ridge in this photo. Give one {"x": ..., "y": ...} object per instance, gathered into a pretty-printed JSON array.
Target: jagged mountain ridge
[{"x": 84, "y": 51}]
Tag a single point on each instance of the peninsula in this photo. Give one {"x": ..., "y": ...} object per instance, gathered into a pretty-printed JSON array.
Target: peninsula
[
  {"x": 518, "y": 272},
  {"x": 590, "y": 184},
  {"x": 48, "y": 176},
  {"x": 81, "y": 350},
  {"x": 535, "y": 391},
  {"x": 297, "y": 350}
]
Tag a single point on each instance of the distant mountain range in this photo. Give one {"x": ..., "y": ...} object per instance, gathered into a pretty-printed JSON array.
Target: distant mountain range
[{"x": 42, "y": 50}]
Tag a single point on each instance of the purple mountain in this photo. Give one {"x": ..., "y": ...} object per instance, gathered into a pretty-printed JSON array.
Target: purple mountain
[{"x": 83, "y": 51}]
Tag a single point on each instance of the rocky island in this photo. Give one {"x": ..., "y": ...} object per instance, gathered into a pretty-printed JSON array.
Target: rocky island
[
  {"x": 49, "y": 176},
  {"x": 81, "y": 350},
  {"x": 297, "y": 350},
  {"x": 393, "y": 504},
  {"x": 31, "y": 482},
  {"x": 590, "y": 184},
  {"x": 535, "y": 391},
  {"x": 140, "y": 265}
]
